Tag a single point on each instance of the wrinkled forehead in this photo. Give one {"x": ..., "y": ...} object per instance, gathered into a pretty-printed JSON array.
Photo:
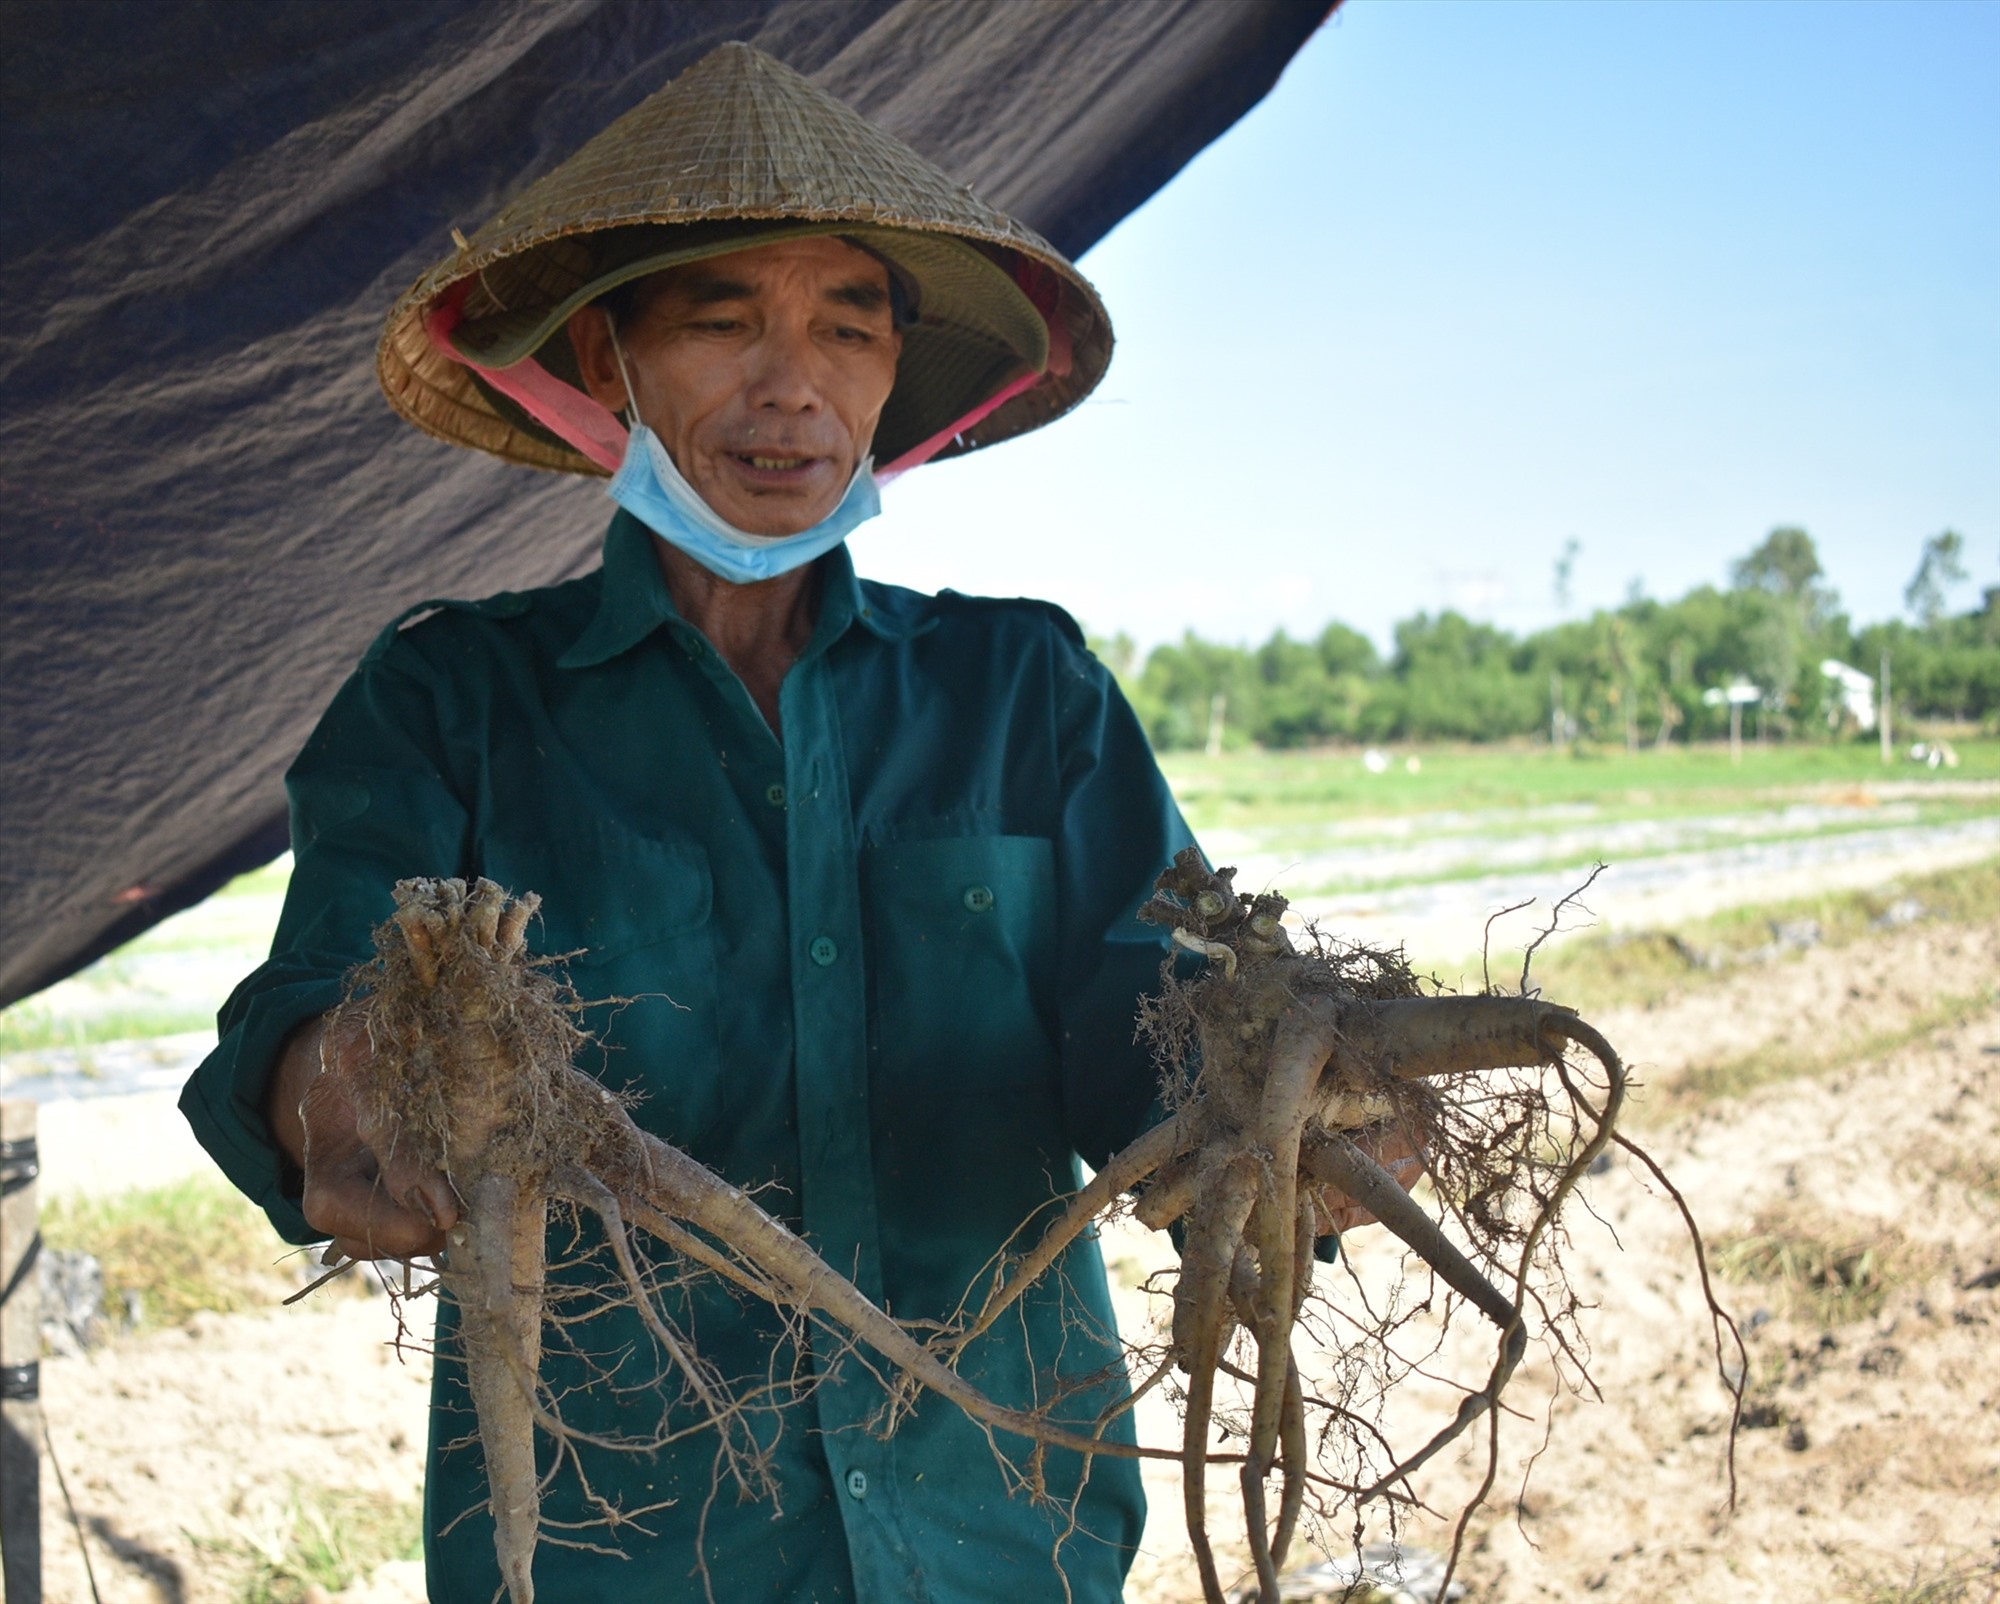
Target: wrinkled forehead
[{"x": 821, "y": 268}]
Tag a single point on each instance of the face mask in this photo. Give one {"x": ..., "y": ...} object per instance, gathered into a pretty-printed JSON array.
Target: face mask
[{"x": 652, "y": 489}]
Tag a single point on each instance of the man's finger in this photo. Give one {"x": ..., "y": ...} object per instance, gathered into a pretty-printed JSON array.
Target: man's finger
[
  {"x": 424, "y": 1193},
  {"x": 365, "y": 1221},
  {"x": 343, "y": 1253}
]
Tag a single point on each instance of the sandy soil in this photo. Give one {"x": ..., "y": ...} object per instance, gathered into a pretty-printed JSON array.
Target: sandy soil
[
  {"x": 177, "y": 1441},
  {"x": 1881, "y": 1460}
]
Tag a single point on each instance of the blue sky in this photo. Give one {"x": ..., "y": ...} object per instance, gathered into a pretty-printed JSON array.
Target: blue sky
[{"x": 1481, "y": 278}]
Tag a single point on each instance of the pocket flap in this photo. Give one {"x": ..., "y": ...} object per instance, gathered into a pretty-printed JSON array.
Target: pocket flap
[{"x": 606, "y": 888}]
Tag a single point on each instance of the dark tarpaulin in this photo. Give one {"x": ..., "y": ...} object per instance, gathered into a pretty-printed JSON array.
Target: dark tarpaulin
[{"x": 207, "y": 510}]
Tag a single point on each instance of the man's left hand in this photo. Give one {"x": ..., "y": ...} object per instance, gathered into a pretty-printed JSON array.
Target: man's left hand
[{"x": 1389, "y": 1147}]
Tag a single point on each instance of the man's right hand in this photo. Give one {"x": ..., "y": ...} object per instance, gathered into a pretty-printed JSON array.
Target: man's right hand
[{"x": 372, "y": 1200}]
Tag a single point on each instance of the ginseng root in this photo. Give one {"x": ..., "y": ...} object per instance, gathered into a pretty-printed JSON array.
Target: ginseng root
[
  {"x": 1271, "y": 1059},
  {"x": 472, "y": 1047},
  {"x": 1273, "y": 1056}
]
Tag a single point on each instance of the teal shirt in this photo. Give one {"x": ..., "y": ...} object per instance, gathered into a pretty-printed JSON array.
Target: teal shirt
[{"x": 885, "y": 972}]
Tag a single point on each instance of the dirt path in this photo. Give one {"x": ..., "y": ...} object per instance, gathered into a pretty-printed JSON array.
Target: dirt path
[
  {"x": 182, "y": 1440},
  {"x": 1880, "y": 1461},
  {"x": 1818, "y": 1005},
  {"x": 1654, "y": 893}
]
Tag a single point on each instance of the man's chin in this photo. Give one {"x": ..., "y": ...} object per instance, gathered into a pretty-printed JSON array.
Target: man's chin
[
  {"x": 774, "y": 504},
  {"x": 776, "y": 516}
]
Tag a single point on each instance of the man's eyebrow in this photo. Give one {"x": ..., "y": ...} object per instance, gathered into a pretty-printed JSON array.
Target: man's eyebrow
[
  {"x": 860, "y": 294},
  {"x": 706, "y": 289}
]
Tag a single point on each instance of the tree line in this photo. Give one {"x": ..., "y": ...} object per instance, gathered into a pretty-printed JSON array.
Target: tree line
[{"x": 1646, "y": 673}]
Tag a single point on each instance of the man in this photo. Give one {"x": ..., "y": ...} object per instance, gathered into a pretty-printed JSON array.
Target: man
[
  {"x": 853, "y": 869},
  {"x": 860, "y": 865}
]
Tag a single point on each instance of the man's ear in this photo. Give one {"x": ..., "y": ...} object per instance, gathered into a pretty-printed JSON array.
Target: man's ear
[{"x": 596, "y": 363}]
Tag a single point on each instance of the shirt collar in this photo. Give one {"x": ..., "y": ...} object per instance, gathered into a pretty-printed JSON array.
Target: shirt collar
[{"x": 634, "y": 600}]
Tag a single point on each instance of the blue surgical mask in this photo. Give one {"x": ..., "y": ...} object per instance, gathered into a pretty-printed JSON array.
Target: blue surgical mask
[{"x": 653, "y": 490}]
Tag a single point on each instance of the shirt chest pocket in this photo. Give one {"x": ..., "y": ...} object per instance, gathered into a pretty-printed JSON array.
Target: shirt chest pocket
[
  {"x": 962, "y": 961},
  {"x": 632, "y": 914}
]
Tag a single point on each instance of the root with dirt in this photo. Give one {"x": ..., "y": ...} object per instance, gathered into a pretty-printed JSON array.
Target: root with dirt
[
  {"x": 472, "y": 1045},
  {"x": 1273, "y": 1060}
]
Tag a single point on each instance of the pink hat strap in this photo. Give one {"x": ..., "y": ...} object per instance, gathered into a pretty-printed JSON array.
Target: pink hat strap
[
  {"x": 1043, "y": 288},
  {"x": 922, "y": 452},
  {"x": 562, "y": 409}
]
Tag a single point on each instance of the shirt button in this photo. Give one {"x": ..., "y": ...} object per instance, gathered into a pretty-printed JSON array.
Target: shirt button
[
  {"x": 857, "y": 1484},
  {"x": 979, "y": 899},
  {"x": 775, "y": 795},
  {"x": 823, "y": 952}
]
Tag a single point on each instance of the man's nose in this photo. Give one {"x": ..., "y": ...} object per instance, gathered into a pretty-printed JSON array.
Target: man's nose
[{"x": 784, "y": 374}]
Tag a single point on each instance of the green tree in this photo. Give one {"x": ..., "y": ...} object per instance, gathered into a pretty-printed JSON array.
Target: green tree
[
  {"x": 1119, "y": 653},
  {"x": 1295, "y": 705},
  {"x": 1309, "y": 694},
  {"x": 1947, "y": 670},
  {"x": 1786, "y": 564},
  {"x": 1566, "y": 572},
  {"x": 1176, "y": 692},
  {"x": 1941, "y": 569},
  {"x": 1461, "y": 680},
  {"x": 1790, "y": 623},
  {"x": 1344, "y": 651},
  {"x": 1633, "y": 675}
]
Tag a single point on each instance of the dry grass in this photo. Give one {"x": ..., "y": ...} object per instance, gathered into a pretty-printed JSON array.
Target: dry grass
[
  {"x": 1829, "y": 1272},
  {"x": 1965, "y": 1579},
  {"x": 1977, "y": 1172},
  {"x": 1737, "y": 1077},
  {"x": 194, "y": 1245},
  {"x": 1638, "y": 968},
  {"x": 313, "y": 1538}
]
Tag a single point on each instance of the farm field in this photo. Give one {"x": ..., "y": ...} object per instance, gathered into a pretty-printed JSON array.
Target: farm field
[
  {"x": 1831, "y": 1117},
  {"x": 1419, "y": 853},
  {"x": 1798, "y": 955}
]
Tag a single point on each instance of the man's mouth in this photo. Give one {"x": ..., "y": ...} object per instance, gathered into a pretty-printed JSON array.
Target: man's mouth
[{"x": 775, "y": 464}]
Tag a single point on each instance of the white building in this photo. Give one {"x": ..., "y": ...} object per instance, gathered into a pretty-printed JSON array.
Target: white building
[{"x": 1857, "y": 691}]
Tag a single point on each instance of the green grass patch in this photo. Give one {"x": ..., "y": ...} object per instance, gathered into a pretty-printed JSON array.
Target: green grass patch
[
  {"x": 203, "y": 933},
  {"x": 317, "y": 1537},
  {"x": 1681, "y": 825},
  {"x": 1602, "y": 970},
  {"x": 1828, "y": 1272},
  {"x": 1268, "y": 788},
  {"x": 268, "y": 881},
  {"x": 193, "y": 1245},
  {"x": 30, "y": 1027}
]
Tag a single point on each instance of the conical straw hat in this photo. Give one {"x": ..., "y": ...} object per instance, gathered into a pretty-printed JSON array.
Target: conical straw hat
[{"x": 738, "y": 151}]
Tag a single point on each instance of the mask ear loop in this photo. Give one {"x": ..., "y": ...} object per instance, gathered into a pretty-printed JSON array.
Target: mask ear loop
[{"x": 630, "y": 411}]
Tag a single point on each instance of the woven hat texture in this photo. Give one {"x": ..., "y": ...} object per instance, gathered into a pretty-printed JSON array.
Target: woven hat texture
[{"x": 738, "y": 151}]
